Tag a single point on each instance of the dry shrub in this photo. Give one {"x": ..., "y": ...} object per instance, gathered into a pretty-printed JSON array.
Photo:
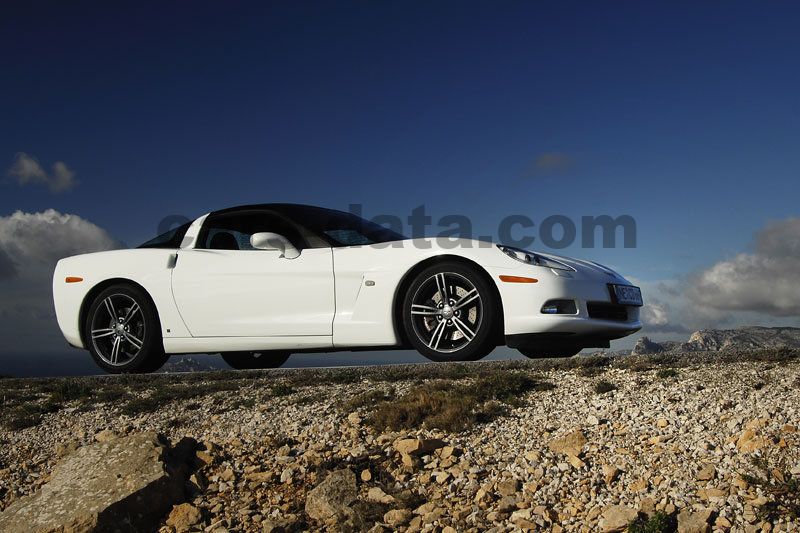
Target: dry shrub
[{"x": 455, "y": 407}]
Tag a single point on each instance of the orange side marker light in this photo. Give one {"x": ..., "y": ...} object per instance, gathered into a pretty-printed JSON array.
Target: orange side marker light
[
  {"x": 73, "y": 279},
  {"x": 518, "y": 279}
]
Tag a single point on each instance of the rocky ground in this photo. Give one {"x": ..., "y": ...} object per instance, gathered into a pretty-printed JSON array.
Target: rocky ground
[{"x": 693, "y": 442}]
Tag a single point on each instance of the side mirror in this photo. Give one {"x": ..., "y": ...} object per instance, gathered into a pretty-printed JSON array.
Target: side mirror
[{"x": 273, "y": 241}]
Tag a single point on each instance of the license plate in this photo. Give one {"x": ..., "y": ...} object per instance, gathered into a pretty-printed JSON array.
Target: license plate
[{"x": 627, "y": 295}]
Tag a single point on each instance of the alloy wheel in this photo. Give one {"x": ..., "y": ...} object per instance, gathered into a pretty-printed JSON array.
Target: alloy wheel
[
  {"x": 446, "y": 312},
  {"x": 118, "y": 329}
]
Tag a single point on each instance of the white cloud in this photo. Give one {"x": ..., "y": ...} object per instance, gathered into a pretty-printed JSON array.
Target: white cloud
[
  {"x": 26, "y": 170},
  {"x": 32, "y": 243},
  {"x": 761, "y": 287},
  {"x": 765, "y": 281},
  {"x": 655, "y": 313},
  {"x": 663, "y": 310},
  {"x": 30, "y": 246}
]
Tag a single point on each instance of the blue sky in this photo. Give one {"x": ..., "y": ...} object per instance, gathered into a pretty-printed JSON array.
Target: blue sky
[{"x": 683, "y": 115}]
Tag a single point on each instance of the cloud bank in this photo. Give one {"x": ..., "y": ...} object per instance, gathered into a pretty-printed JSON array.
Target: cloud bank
[
  {"x": 766, "y": 281},
  {"x": 32, "y": 243},
  {"x": 758, "y": 287},
  {"x": 30, "y": 246},
  {"x": 657, "y": 316},
  {"x": 26, "y": 170}
]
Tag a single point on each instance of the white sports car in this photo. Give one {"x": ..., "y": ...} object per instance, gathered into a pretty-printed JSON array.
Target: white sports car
[{"x": 257, "y": 283}]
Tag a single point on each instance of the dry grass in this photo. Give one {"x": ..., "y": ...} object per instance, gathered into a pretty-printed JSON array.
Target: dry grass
[
  {"x": 602, "y": 386},
  {"x": 667, "y": 373},
  {"x": 368, "y": 399},
  {"x": 455, "y": 406},
  {"x": 777, "y": 481},
  {"x": 24, "y": 402}
]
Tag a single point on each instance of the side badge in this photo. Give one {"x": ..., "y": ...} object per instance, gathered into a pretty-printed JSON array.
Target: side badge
[{"x": 369, "y": 283}]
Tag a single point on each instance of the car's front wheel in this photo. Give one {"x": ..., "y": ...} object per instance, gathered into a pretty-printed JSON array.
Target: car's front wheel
[
  {"x": 450, "y": 312},
  {"x": 251, "y": 360},
  {"x": 122, "y": 331}
]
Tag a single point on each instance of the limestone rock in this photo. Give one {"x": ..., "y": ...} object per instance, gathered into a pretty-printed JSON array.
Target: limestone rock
[
  {"x": 706, "y": 473},
  {"x": 639, "y": 485},
  {"x": 617, "y": 518},
  {"x": 398, "y": 517},
  {"x": 508, "y": 487},
  {"x": 749, "y": 441},
  {"x": 376, "y": 494},
  {"x": 333, "y": 496},
  {"x": 610, "y": 473},
  {"x": 183, "y": 517},
  {"x": 695, "y": 521},
  {"x": 418, "y": 446},
  {"x": 570, "y": 444},
  {"x": 133, "y": 480},
  {"x": 105, "y": 435},
  {"x": 277, "y": 525}
]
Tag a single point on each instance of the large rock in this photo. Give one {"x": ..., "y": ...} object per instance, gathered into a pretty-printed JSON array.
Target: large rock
[
  {"x": 570, "y": 444},
  {"x": 333, "y": 496},
  {"x": 617, "y": 518},
  {"x": 695, "y": 521},
  {"x": 750, "y": 441},
  {"x": 398, "y": 517},
  {"x": 126, "y": 483},
  {"x": 418, "y": 446},
  {"x": 183, "y": 517}
]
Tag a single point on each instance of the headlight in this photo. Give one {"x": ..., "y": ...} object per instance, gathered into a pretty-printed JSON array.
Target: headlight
[{"x": 532, "y": 258}]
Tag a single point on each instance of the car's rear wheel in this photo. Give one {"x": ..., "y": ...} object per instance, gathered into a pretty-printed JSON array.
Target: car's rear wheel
[
  {"x": 122, "y": 331},
  {"x": 450, "y": 312},
  {"x": 250, "y": 360},
  {"x": 533, "y": 353}
]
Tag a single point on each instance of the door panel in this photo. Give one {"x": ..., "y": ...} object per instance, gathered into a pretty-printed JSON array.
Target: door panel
[{"x": 254, "y": 293}]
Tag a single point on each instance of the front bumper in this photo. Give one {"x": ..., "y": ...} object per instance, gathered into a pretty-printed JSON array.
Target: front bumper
[{"x": 526, "y": 325}]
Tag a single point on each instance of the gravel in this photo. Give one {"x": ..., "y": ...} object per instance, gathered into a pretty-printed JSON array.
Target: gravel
[{"x": 690, "y": 444}]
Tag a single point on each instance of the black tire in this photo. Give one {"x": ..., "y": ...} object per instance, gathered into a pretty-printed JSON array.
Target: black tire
[
  {"x": 421, "y": 327},
  {"x": 533, "y": 353},
  {"x": 251, "y": 360},
  {"x": 102, "y": 333}
]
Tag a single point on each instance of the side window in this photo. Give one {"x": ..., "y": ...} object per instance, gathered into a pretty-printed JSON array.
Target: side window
[{"x": 232, "y": 231}]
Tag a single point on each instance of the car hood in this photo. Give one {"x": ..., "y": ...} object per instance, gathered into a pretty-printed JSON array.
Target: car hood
[{"x": 589, "y": 269}]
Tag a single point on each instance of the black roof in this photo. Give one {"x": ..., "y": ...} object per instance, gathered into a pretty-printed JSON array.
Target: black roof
[{"x": 288, "y": 210}]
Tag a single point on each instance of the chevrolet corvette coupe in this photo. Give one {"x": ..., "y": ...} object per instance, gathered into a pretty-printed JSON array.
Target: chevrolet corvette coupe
[{"x": 257, "y": 283}]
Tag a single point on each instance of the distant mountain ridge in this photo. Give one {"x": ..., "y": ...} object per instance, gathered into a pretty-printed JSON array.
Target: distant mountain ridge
[{"x": 715, "y": 340}]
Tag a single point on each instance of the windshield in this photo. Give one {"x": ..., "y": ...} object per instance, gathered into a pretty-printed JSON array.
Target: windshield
[
  {"x": 345, "y": 229},
  {"x": 169, "y": 239}
]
